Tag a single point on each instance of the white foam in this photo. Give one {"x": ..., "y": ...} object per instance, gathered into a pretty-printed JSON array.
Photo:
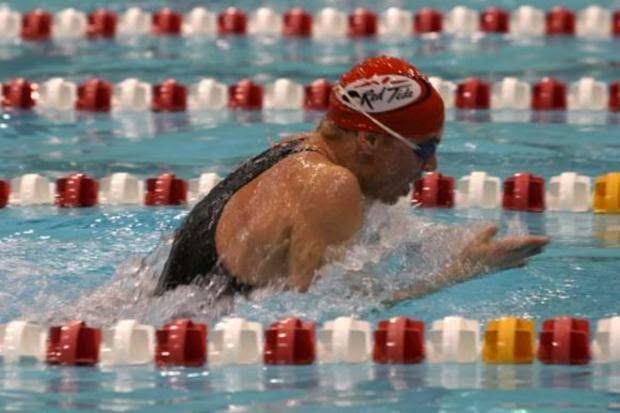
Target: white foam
[{"x": 396, "y": 247}]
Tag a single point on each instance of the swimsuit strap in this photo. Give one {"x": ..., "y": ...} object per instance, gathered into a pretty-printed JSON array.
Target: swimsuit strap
[{"x": 317, "y": 149}]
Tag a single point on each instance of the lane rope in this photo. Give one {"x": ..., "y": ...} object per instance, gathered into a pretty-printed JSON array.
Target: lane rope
[
  {"x": 293, "y": 341},
  {"x": 99, "y": 95},
  {"x": 523, "y": 191},
  {"x": 525, "y": 21}
]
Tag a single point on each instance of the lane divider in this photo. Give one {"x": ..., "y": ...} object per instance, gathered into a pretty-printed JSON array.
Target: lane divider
[
  {"x": 292, "y": 341},
  {"x": 236, "y": 341},
  {"x": 82, "y": 190},
  {"x": 5, "y": 190},
  {"x": 99, "y": 95},
  {"x": 523, "y": 191},
  {"x": 127, "y": 342},
  {"x": 569, "y": 192},
  {"x": 511, "y": 340},
  {"x": 181, "y": 343},
  {"x": 453, "y": 340},
  {"x": 548, "y": 94},
  {"x": 328, "y": 22}
]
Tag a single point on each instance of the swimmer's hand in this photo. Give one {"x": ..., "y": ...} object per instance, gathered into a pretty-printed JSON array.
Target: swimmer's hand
[
  {"x": 485, "y": 253},
  {"x": 482, "y": 255}
]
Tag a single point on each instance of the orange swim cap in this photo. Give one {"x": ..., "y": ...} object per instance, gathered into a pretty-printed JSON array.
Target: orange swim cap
[{"x": 393, "y": 95}]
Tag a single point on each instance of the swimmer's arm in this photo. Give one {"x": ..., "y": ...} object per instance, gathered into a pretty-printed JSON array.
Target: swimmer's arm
[
  {"x": 451, "y": 274},
  {"x": 329, "y": 213},
  {"x": 305, "y": 257},
  {"x": 483, "y": 255}
]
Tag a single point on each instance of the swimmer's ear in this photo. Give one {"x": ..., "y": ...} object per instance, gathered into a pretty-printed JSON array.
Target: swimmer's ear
[{"x": 367, "y": 143}]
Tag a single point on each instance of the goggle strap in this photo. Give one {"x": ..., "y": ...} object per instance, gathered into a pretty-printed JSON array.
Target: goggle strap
[{"x": 352, "y": 105}]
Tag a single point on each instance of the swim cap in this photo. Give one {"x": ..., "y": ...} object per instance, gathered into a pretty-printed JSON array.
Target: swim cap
[{"x": 394, "y": 96}]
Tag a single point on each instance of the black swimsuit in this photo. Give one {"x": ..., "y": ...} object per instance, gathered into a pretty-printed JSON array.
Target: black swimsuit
[{"x": 193, "y": 257}]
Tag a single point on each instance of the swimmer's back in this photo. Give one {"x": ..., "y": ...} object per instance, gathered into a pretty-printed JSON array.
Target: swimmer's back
[
  {"x": 242, "y": 231},
  {"x": 270, "y": 216},
  {"x": 193, "y": 256}
]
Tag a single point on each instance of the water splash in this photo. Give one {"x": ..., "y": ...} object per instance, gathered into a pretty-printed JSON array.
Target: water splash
[{"x": 394, "y": 248}]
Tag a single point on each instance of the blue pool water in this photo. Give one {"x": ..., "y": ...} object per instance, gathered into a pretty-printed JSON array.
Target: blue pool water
[{"x": 98, "y": 263}]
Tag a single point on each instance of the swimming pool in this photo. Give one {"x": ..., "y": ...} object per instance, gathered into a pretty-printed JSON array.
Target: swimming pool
[{"x": 90, "y": 263}]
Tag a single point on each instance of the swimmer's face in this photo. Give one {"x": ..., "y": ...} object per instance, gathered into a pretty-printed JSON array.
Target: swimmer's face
[{"x": 395, "y": 167}]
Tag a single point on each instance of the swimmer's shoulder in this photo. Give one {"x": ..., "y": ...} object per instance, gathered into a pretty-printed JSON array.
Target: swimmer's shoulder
[
  {"x": 312, "y": 174},
  {"x": 327, "y": 194}
]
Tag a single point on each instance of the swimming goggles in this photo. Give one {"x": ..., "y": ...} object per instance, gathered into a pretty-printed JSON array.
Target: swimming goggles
[{"x": 424, "y": 150}]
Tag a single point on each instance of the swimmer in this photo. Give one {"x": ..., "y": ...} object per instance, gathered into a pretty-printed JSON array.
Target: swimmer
[{"x": 271, "y": 221}]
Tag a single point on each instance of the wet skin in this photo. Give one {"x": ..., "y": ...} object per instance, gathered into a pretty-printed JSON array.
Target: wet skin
[{"x": 276, "y": 229}]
